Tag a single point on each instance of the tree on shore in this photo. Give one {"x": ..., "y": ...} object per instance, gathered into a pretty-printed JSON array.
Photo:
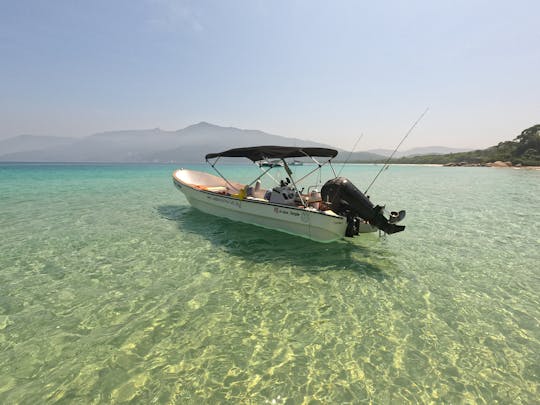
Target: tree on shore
[{"x": 523, "y": 150}]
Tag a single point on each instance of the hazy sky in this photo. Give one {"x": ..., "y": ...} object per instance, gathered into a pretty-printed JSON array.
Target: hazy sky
[{"x": 321, "y": 70}]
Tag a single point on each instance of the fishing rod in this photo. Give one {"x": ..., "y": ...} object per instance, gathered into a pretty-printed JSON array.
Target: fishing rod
[
  {"x": 397, "y": 147},
  {"x": 350, "y": 154}
]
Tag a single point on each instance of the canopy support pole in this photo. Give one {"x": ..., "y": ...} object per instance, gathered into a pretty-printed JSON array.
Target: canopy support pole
[
  {"x": 262, "y": 174},
  {"x": 319, "y": 166},
  {"x": 289, "y": 172},
  {"x": 220, "y": 175}
]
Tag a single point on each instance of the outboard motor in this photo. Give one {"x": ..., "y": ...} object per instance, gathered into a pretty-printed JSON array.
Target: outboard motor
[{"x": 345, "y": 199}]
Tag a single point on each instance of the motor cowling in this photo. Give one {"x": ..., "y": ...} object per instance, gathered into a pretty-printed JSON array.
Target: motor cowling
[{"x": 345, "y": 199}]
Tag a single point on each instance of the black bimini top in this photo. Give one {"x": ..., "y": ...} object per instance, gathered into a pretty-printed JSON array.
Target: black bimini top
[{"x": 256, "y": 153}]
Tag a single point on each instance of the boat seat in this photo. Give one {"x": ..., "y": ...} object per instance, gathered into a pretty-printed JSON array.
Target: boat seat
[
  {"x": 217, "y": 189},
  {"x": 213, "y": 189},
  {"x": 256, "y": 199}
]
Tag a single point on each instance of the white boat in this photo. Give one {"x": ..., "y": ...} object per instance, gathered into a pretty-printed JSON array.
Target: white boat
[
  {"x": 272, "y": 163},
  {"x": 338, "y": 210}
]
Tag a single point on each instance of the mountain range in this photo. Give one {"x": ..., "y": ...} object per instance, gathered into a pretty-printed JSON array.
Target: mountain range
[
  {"x": 187, "y": 145},
  {"x": 425, "y": 150}
]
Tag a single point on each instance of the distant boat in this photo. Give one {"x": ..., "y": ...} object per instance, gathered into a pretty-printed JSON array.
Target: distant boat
[
  {"x": 272, "y": 163},
  {"x": 296, "y": 163},
  {"x": 338, "y": 210}
]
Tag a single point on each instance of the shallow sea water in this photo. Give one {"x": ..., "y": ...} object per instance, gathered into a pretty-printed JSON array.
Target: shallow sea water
[{"x": 113, "y": 289}]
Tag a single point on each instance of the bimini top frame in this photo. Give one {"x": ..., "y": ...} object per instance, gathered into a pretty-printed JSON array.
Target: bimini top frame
[{"x": 257, "y": 153}]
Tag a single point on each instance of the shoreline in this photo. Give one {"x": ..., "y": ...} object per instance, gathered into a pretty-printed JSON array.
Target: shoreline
[
  {"x": 496, "y": 165},
  {"x": 466, "y": 165}
]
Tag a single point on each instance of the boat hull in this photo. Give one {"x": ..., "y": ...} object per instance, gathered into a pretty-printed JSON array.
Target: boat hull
[{"x": 314, "y": 225}]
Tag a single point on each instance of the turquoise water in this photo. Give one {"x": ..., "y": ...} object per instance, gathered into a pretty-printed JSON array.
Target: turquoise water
[{"x": 113, "y": 290}]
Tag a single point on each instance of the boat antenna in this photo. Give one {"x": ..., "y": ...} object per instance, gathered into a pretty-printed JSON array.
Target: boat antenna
[
  {"x": 397, "y": 147},
  {"x": 350, "y": 154}
]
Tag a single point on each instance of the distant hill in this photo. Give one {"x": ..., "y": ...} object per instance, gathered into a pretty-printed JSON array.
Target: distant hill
[
  {"x": 358, "y": 157},
  {"x": 523, "y": 150},
  {"x": 25, "y": 143},
  {"x": 119, "y": 146},
  {"x": 191, "y": 144},
  {"x": 188, "y": 145},
  {"x": 195, "y": 141},
  {"x": 426, "y": 150}
]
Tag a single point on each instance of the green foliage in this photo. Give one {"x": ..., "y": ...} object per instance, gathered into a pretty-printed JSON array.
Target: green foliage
[
  {"x": 524, "y": 150},
  {"x": 528, "y": 146}
]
